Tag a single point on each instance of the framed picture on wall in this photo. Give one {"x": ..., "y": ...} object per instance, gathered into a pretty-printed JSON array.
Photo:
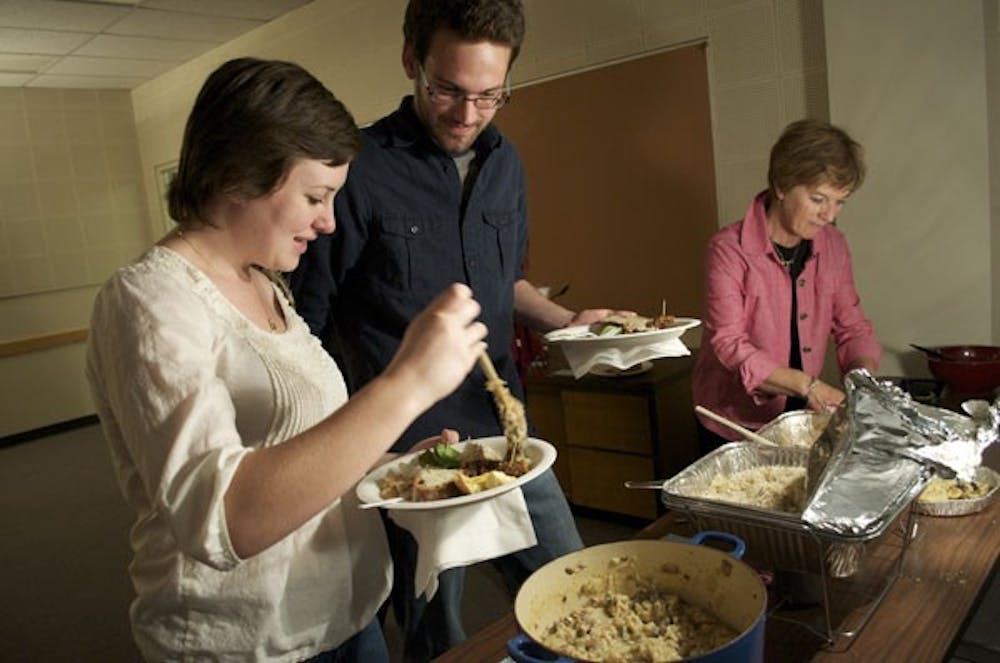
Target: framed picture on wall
[{"x": 164, "y": 174}]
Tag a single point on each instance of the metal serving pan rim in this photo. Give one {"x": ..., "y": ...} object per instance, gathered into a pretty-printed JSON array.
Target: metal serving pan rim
[{"x": 672, "y": 494}]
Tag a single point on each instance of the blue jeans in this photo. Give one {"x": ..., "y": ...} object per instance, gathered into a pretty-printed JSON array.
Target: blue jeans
[
  {"x": 431, "y": 628},
  {"x": 365, "y": 646}
]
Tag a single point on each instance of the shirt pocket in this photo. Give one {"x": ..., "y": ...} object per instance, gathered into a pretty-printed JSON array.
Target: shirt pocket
[
  {"x": 501, "y": 240},
  {"x": 760, "y": 314},
  {"x": 397, "y": 246}
]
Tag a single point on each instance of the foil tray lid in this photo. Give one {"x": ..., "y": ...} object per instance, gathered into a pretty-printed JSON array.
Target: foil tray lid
[{"x": 879, "y": 450}]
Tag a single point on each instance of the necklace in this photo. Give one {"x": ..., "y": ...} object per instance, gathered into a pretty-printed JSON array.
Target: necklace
[
  {"x": 267, "y": 309},
  {"x": 787, "y": 259}
]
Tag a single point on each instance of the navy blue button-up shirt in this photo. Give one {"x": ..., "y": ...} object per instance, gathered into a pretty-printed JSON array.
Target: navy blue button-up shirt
[{"x": 403, "y": 235}]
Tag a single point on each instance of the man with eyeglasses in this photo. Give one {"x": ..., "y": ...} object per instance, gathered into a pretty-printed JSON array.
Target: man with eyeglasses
[{"x": 437, "y": 196}]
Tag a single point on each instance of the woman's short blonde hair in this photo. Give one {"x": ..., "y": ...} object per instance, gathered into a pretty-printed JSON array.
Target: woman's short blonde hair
[{"x": 813, "y": 152}]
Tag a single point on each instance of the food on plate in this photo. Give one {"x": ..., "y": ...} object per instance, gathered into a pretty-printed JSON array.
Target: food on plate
[
  {"x": 477, "y": 459},
  {"x": 614, "y": 325},
  {"x": 432, "y": 483},
  {"x": 627, "y": 617},
  {"x": 943, "y": 490},
  {"x": 480, "y": 482},
  {"x": 440, "y": 455},
  {"x": 772, "y": 487},
  {"x": 440, "y": 473}
]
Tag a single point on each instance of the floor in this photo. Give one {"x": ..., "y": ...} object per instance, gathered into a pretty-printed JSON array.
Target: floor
[{"x": 64, "y": 551}]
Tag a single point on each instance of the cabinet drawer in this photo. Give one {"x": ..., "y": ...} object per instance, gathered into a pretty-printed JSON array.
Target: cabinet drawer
[
  {"x": 546, "y": 413},
  {"x": 599, "y": 482},
  {"x": 608, "y": 421}
]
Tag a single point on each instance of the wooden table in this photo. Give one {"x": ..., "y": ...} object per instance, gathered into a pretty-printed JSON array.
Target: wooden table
[{"x": 946, "y": 568}]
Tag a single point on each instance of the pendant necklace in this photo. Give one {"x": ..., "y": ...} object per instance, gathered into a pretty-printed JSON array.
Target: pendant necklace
[
  {"x": 267, "y": 309},
  {"x": 784, "y": 258}
]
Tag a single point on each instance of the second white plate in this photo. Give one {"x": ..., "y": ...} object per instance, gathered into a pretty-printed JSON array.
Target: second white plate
[{"x": 583, "y": 335}]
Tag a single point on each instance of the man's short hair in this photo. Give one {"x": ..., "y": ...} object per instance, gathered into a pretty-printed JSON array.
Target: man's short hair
[{"x": 500, "y": 21}]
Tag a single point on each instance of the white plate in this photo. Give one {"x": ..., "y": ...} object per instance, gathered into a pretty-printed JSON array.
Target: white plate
[
  {"x": 584, "y": 336},
  {"x": 539, "y": 452}
]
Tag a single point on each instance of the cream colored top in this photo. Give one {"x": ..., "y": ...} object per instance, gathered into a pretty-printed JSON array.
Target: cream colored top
[{"x": 184, "y": 386}]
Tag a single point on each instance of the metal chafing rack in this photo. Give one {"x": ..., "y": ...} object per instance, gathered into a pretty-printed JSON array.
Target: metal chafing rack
[
  {"x": 863, "y": 472},
  {"x": 848, "y": 573}
]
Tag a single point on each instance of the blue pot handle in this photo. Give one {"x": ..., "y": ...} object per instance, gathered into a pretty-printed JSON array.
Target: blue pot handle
[
  {"x": 739, "y": 546},
  {"x": 525, "y": 650}
]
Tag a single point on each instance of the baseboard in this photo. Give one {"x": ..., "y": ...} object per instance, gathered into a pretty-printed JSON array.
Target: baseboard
[{"x": 45, "y": 431}]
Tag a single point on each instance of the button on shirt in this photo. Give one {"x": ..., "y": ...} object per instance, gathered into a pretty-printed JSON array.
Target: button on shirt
[
  {"x": 747, "y": 318},
  {"x": 403, "y": 235}
]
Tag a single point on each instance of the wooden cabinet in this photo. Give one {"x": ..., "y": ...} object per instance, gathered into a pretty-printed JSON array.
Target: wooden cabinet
[{"x": 608, "y": 430}]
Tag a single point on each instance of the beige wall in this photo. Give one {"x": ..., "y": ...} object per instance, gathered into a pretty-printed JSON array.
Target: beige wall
[
  {"x": 991, "y": 25},
  {"x": 72, "y": 209},
  {"x": 767, "y": 66},
  {"x": 908, "y": 79},
  {"x": 71, "y": 199}
]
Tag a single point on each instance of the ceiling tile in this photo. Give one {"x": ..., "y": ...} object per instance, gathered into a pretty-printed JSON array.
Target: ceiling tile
[
  {"x": 172, "y": 50},
  {"x": 55, "y": 15},
  {"x": 118, "y": 43},
  {"x": 85, "y": 82},
  {"x": 155, "y": 23},
  {"x": 87, "y": 66},
  {"x": 25, "y": 63},
  {"x": 261, "y": 10},
  {"x": 39, "y": 42}
]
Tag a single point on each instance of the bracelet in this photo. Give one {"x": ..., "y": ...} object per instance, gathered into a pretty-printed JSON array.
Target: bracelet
[{"x": 812, "y": 383}]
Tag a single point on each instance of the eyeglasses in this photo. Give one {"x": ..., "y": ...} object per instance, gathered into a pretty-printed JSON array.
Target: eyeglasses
[{"x": 451, "y": 96}]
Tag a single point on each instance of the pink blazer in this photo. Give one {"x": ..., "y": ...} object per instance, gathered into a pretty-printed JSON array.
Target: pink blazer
[{"x": 748, "y": 304}]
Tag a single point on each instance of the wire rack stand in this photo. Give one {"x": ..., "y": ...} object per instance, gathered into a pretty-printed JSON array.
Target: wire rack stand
[{"x": 827, "y": 585}]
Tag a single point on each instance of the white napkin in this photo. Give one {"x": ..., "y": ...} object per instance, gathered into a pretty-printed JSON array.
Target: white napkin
[
  {"x": 466, "y": 534},
  {"x": 582, "y": 358}
]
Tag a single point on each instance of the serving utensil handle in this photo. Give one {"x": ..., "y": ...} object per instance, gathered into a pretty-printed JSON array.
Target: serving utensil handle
[
  {"x": 373, "y": 505},
  {"x": 748, "y": 434},
  {"x": 656, "y": 484},
  {"x": 488, "y": 368},
  {"x": 928, "y": 351}
]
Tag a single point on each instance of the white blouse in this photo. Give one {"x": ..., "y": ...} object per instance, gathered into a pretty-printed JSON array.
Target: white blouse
[{"x": 184, "y": 386}]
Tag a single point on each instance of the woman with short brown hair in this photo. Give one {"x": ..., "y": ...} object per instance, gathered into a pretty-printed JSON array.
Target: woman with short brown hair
[
  {"x": 779, "y": 282},
  {"x": 231, "y": 432}
]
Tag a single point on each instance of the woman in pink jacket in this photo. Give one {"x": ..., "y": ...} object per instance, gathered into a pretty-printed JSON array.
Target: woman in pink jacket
[{"x": 778, "y": 284}]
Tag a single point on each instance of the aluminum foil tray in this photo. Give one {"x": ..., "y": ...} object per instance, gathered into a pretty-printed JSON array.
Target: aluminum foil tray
[
  {"x": 782, "y": 540},
  {"x": 963, "y": 507},
  {"x": 798, "y": 428}
]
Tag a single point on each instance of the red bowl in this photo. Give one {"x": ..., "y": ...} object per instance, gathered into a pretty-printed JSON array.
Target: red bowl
[{"x": 968, "y": 369}]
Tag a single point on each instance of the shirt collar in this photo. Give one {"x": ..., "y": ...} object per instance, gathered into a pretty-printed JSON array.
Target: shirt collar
[
  {"x": 405, "y": 129},
  {"x": 753, "y": 234}
]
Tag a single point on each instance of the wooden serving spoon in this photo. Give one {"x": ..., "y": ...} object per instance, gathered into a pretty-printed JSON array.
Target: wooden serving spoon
[
  {"x": 512, "y": 417},
  {"x": 745, "y": 432}
]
